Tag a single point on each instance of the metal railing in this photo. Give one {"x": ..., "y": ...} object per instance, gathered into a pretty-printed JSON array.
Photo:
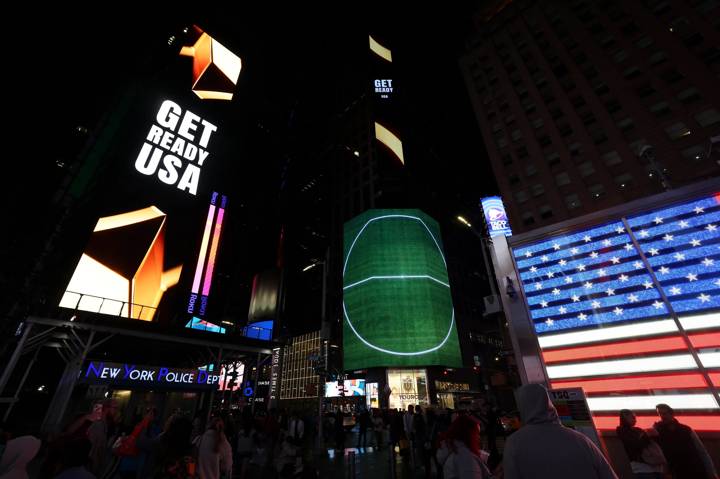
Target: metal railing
[{"x": 111, "y": 307}]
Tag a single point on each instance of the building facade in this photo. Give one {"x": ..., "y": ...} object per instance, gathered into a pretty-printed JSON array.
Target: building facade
[{"x": 584, "y": 105}]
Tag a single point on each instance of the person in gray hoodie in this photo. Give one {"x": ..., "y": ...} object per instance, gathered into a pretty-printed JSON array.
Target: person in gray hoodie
[{"x": 545, "y": 449}]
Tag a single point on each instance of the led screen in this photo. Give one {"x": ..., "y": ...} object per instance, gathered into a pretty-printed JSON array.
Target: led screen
[
  {"x": 615, "y": 305},
  {"x": 351, "y": 387},
  {"x": 397, "y": 306}
]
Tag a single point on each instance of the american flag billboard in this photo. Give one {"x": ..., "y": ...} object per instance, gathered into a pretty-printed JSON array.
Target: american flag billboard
[{"x": 629, "y": 310}]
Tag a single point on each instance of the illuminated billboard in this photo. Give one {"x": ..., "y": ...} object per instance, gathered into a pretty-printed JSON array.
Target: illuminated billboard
[
  {"x": 351, "y": 387},
  {"x": 496, "y": 217},
  {"x": 629, "y": 310},
  {"x": 215, "y": 68},
  {"x": 397, "y": 305},
  {"x": 122, "y": 270}
]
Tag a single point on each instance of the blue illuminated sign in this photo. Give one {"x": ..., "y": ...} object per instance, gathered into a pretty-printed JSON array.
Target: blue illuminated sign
[
  {"x": 119, "y": 373},
  {"x": 495, "y": 216}
]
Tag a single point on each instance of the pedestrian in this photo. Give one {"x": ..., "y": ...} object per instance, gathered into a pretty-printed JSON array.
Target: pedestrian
[
  {"x": 214, "y": 452},
  {"x": 459, "y": 454},
  {"x": 363, "y": 426},
  {"x": 296, "y": 429},
  {"x": 544, "y": 449},
  {"x": 101, "y": 434},
  {"x": 646, "y": 459},
  {"x": 16, "y": 453},
  {"x": 378, "y": 428},
  {"x": 685, "y": 453},
  {"x": 74, "y": 461}
]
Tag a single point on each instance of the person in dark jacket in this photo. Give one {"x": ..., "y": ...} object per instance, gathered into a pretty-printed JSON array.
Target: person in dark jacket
[
  {"x": 635, "y": 440},
  {"x": 685, "y": 453}
]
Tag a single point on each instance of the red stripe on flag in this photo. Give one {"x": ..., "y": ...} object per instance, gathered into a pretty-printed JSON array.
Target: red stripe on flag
[
  {"x": 699, "y": 423},
  {"x": 706, "y": 340},
  {"x": 715, "y": 378},
  {"x": 637, "y": 383},
  {"x": 615, "y": 349}
]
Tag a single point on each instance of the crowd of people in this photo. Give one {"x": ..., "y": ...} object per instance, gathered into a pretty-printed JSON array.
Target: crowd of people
[{"x": 440, "y": 443}]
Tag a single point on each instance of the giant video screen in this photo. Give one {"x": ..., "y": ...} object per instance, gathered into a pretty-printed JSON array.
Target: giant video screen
[
  {"x": 397, "y": 305},
  {"x": 629, "y": 310}
]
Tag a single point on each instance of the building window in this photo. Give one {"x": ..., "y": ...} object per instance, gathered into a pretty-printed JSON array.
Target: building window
[
  {"x": 497, "y": 127},
  {"x": 521, "y": 196},
  {"x": 572, "y": 201},
  {"x": 516, "y": 135},
  {"x": 626, "y": 124},
  {"x": 660, "y": 109},
  {"x": 620, "y": 56},
  {"x": 689, "y": 95},
  {"x": 644, "y": 42},
  {"x": 528, "y": 219},
  {"x": 623, "y": 181},
  {"x": 677, "y": 130},
  {"x": 671, "y": 75},
  {"x": 645, "y": 90},
  {"x": 632, "y": 72},
  {"x": 612, "y": 105},
  {"x": 537, "y": 123},
  {"x": 553, "y": 159},
  {"x": 530, "y": 170},
  {"x": 657, "y": 58},
  {"x": 586, "y": 168},
  {"x": 708, "y": 117},
  {"x": 537, "y": 189},
  {"x": 510, "y": 119},
  {"x": 544, "y": 140},
  {"x": 562, "y": 179},
  {"x": 545, "y": 212},
  {"x": 506, "y": 160},
  {"x": 501, "y": 142},
  {"x": 521, "y": 152},
  {"x": 612, "y": 158},
  {"x": 597, "y": 190},
  {"x": 575, "y": 149}
]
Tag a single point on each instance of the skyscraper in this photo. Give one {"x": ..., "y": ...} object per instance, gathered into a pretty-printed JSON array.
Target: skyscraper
[{"x": 585, "y": 105}]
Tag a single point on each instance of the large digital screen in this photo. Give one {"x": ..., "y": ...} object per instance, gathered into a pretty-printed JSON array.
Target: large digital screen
[
  {"x": 629, "y": 310},
  {"x": 495, "y": 215},
  {"x": 397, "y": 305},
  {"x": 351, "y": 387}
]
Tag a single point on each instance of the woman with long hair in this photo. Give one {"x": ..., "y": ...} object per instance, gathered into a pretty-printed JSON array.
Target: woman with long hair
[{"x": 459, "y": 454}]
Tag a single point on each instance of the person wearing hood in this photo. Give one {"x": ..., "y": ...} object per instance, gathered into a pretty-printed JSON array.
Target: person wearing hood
[{"x": 545, "y": 449}]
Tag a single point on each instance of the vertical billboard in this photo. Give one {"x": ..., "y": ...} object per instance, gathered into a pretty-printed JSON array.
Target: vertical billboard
[
  {"x": 629, "y": 310},
  {"x": 397, "y": 305},
  {"x": 496, "y": 218}
]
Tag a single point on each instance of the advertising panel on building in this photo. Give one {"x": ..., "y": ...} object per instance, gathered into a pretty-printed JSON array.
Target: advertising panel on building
[
  {"x": 496, "y": 218},
  {"x": 628, "y": 309},
  {"x": 396, "y": 294}
]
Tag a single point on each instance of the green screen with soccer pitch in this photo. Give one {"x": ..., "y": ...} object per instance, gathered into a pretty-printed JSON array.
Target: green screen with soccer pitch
[{"x": 397, "y": 306}]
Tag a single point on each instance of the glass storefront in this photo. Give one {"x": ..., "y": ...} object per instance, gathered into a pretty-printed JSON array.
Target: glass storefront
[{"x": 407, "y": 386}]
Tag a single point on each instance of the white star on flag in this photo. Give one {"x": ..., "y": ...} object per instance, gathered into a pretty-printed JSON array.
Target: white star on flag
[
  {"x": 550, "y": 274},
  {"x": 600, "y": 272},
  {"x": 644, "y": 234},
  {"x": 699, "y": 210},
  {"x": 632, "y": 298},
  {"x": 683, "y": 224},
  {"x": 638, "y": 265},
  {"x": 607, "y": 242},
  {"x": 610, "y": 291},
  {"x": 628, "y": 246},
  {"x": 588, "y": 285},
  {"x": 538, "y": 286},
  {"x": 623, "y": 278},
  {"x": 615, "y": 260},
  {"x": 544, "y": 304},
  {"x": 664, "y": 270},
  {"x": 695, "y": 242},
  {"x": 668, "y": 237},
  {"x": 544, "y": 258},
  {"x": 562, "y": 262},
  {"x": 568, "y": 279},
  {"x": 528, "y": 254},
  {"x": 658, "y": 220},
  {"x": 582, "y": 316},
  {"x": 704, "y": 298},
  {"x": 648, "y": 285},
  {"x": 675, "y": 290},
  {"x": 711, "y": 227},
  {"x": 708, "y": 262},
  {"x": 555, "y": 291},
  {"x": 679, "y": 256},
  {"x": 556, "y": 247},
  {"x": 618, "y": 311},
  {"x": 581, "y": 267},
  {"x": 620, "y": 230},
  {"x": 574, "y": 251},
  {"x": 587, "y": 239},
  {"x": 575, "y": 298},
  {"x": 658, "y": 304},
  {"x": 549, "y": 322},
  {"x": 533, "y": 269},
  {"x": 691, "y": 277},
  {"x": 595, "y": 304},
  {"x": 562, "y": 309},
  {"x": 594, "y": 254},
  {"x": 654, "y": 251}
]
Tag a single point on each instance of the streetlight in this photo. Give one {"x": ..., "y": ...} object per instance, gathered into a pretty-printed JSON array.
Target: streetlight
[{"x": 462, "y": 220}]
